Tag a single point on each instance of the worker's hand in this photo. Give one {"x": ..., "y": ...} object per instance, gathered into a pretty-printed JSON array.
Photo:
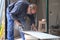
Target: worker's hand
[
  {"x": 17, "y": 23},
  {"x": 33, "y": 27}
]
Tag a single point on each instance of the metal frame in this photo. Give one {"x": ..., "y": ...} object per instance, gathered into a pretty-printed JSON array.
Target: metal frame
[
  {"x": 7, "y": 2},
  {"x": 47, "y": 15}
]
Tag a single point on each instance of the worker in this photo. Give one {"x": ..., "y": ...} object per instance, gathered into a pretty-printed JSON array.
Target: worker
[{"x": 17, "y": 13}]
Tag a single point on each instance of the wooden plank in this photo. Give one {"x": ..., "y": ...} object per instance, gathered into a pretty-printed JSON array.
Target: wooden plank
[{"x": 41, "y": 35}]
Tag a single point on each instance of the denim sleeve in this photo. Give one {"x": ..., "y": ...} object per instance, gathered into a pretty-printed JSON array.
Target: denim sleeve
[
  {"x": 17, "y": 9},
  {"x": 32, "y": 19},
  {"x": 23, "y": 22}
]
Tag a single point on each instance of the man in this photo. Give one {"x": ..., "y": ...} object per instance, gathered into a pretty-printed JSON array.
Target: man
[{"x": 17, "y": 14}]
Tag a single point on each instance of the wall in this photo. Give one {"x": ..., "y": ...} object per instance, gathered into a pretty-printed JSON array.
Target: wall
[
  {"x": 54, "y": 11},
  {"x": 40, "y": 12},
  {"x": 42, "y": 9}
]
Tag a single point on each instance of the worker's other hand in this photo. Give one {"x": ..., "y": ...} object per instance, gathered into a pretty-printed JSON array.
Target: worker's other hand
[
  {"x": 17, "y": 23},
  {"x": 33, "y": 27}
]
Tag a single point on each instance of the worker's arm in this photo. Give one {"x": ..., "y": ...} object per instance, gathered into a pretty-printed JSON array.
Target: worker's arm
[
  {"x": 17, "y": 10},
  {"x": 14, "y": 12},
  {"x": 32, "y": 21}
]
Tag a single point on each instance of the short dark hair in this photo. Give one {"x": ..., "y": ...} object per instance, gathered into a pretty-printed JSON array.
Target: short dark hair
[{"x": 33, "y": 6}]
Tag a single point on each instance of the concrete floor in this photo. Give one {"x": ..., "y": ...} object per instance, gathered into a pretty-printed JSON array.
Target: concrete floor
[{"x": 28, "y": 37}]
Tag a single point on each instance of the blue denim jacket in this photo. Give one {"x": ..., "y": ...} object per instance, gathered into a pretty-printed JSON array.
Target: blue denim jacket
[
  {"x": 20, "y": 11},
  {"x": 17, "y": 13}
]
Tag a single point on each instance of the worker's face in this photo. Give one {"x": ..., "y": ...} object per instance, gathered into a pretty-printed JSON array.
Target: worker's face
[{"x": 31, "y": 11}]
